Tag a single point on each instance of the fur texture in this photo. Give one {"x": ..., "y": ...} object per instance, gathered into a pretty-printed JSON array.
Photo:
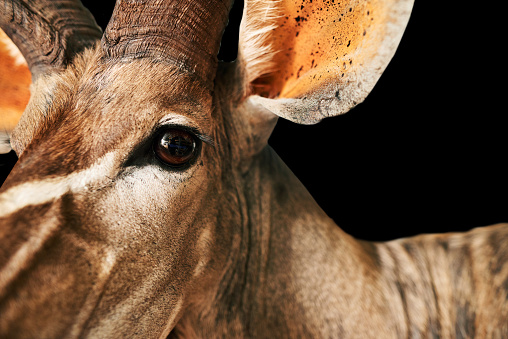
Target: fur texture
[
  {"x": 256, "y": 51},
  {"x": 101, "y": 238}
]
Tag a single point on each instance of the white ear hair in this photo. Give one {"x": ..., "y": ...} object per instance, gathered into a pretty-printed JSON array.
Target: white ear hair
[
  {"x": 5, "y": 145},
  {"x": 258, "y": 21},
  {"x": 309, "y": 61}
]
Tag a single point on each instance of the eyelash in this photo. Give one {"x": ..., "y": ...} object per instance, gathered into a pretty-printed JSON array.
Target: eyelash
[{"x": 201, "y": 136}]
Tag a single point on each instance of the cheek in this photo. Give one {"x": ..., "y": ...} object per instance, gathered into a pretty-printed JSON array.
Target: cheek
[
  {"x": 154, "y": 225},
  {"x": 153, "y": 204}
]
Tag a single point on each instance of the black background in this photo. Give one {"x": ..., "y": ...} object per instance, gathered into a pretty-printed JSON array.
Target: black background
[{"x": 426, "y": 150}]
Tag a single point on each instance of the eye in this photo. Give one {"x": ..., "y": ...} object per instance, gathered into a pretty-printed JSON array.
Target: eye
[{"x": 175, "y": 147}]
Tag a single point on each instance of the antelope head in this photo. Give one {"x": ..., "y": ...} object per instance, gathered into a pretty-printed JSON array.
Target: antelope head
[{"x": 145, "y": 195}]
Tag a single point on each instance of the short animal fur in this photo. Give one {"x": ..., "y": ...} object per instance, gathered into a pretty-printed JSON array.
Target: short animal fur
[{"x": 101, "y": 236}]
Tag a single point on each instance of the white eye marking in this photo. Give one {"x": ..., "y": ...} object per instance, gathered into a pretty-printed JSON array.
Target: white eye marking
[{"x": 41, "y": 191}]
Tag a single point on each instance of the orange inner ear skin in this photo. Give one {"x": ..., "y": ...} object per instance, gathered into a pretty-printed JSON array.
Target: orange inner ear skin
[
  {"x": 317, "y": 40},
  {"x": 15, "y": 80}
]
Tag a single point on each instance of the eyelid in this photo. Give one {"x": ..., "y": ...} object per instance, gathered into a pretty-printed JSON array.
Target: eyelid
[{"x": 191, "y": 129}]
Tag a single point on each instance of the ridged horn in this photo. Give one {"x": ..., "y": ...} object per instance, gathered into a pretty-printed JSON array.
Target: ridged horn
[
  {"x": 48, "y": 33},
  {"x": 184, "y": 33}
]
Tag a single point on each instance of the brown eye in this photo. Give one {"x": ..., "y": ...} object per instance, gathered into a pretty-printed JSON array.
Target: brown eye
[{"x": 175, "y": 147}]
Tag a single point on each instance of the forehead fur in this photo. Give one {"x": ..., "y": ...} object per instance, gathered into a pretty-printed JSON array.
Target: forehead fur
[{"x": 96, "y": 106}]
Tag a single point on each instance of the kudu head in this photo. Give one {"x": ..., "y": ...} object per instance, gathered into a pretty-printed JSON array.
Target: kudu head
[{"x": 140, "y": 155}]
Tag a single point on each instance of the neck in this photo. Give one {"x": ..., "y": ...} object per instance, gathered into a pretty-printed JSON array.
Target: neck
[
  {"x": 294, "y": 273},
  {"x": 308, "y": 276}
]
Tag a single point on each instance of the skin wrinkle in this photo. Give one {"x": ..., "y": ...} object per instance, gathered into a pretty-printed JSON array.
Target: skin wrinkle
[
  {"x": 154, "y": 32},
  {"x": 233, "y": 245}
]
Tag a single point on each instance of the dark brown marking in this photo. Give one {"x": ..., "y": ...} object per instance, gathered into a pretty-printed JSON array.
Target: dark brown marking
[
  {"x": 464, "y": 326},
  {"x": 15, "y": 229},
  {"x": 498, "y": 240}
]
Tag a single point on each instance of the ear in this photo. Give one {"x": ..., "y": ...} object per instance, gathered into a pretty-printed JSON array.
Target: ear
[
  {"x": 306, "y": 60},
  {"x": 15, "y": 81}
]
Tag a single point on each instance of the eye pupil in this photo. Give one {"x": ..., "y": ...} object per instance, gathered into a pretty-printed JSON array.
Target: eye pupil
[
  {"x": 175, "y": 147},
  {"x": 178, "y": 146}
]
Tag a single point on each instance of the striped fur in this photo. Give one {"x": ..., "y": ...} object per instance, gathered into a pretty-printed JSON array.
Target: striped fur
[{"x": 99, "y": 239}]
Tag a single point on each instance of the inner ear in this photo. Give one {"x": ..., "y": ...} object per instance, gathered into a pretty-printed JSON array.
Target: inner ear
[
  {"x": 308, "y": 60},
  {"x": 15, "y": 81}
]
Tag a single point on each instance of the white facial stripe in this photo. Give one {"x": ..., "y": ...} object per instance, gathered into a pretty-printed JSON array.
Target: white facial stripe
[
  {"x": 122, "y": 311},
  {"x": 107, "y": 264},
  {"x": 42, "y": 191},
  {"x": 19, "y": 261},
  {"x": 171, "y": 321},
  {"x": 203, "y": 248}
]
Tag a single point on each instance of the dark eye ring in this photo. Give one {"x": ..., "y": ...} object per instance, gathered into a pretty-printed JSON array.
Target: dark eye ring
[{"x": 176, "y": 147}]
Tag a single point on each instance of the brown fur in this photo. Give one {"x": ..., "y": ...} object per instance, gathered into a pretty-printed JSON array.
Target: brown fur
[{"x": 99, "y": 239}]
